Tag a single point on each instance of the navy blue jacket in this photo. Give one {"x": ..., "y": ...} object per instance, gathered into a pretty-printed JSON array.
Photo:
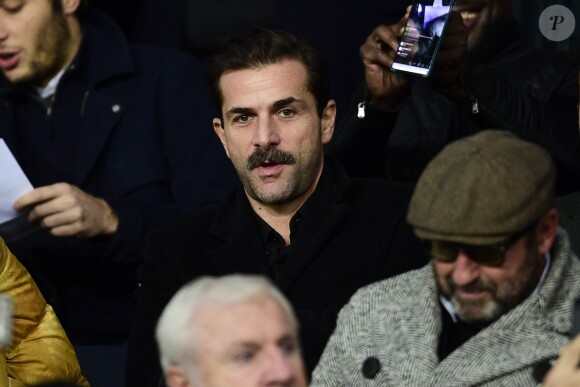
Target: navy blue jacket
[{"x": 146, "y": 146}]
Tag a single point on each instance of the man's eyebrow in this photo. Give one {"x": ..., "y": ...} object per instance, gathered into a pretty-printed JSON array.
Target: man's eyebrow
[
  {"x": 242, "y": 346},
  {"x": 287, "y": 337},
  {"x": 239, "y": 110},
  {"x": 285, "y": 102}
]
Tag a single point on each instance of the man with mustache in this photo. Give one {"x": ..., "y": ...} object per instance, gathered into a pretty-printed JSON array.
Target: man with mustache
[
  {"x": 297, "y": 218},
  {"x": 496, "y": 300},
  {"x": 485, "y": 76}
]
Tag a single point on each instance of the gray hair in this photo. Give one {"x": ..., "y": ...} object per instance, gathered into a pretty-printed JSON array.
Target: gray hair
[{"x": 176, "y": 336}]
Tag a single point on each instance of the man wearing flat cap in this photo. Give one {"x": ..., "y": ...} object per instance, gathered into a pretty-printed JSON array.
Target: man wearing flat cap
[{"x": 497, "y": 298}]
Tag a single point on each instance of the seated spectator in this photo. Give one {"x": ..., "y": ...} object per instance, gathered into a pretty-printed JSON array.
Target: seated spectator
[
  {"x": 115, "y": 139},
  {"x": 498, "y": 295},
  {"x": 484, "y": 76},
  {"x": 230, "y": 331},
  {"x": 39, "y": 350},
  {"x": 297, "y": 218}
]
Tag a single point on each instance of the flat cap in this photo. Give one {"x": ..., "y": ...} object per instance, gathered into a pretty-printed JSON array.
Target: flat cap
[{"x": 482, "y": 190}]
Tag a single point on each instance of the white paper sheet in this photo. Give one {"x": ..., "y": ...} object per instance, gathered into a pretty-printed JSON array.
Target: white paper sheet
[{"x": 13, "y": 183}]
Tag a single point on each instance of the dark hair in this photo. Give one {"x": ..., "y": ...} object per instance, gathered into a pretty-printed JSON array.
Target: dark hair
[{"x": 261, "y": 47}]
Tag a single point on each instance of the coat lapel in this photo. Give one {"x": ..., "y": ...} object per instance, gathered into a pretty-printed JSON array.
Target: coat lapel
[
  {"x": 242, "y": 250},
  {"x": 103, "y": 103},
  {"x": 101, "y": 114},
  {"x": 512, "y": 343},
  {"x": 421, "y": 326},
  {"x": 323, "y": 216},
  {"x": 314, "y": 237}
]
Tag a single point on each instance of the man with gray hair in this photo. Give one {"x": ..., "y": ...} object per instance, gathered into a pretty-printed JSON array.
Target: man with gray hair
[
  {"x": 497, "y": 298},
  {"x": 232, "y": 330}
]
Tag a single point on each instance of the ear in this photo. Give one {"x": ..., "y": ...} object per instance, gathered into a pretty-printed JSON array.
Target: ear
[
  {"x": 546, "y": 231},
  {"x": 219, "y": 130},
  {"x": 175, "y": 377},
  {"x": 69, "y": 7},
  {"x": 327, "y": 121}
]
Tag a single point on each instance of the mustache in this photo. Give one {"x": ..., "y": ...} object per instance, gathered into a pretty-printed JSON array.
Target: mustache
[{"x": 273, "y": 155}]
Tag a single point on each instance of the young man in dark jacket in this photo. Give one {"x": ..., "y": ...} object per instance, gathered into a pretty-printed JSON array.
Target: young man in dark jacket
[{"x": 115, "y": 140}]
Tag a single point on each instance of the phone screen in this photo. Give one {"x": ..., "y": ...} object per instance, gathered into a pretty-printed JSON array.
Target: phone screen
[{"x": 422, "y": 36}]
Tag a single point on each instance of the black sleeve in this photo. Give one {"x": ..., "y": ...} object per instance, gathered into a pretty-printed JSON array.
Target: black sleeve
[
  {"x": 551, "y": 122},
  {"x": 359, "y": 143},
  {"x": 158, "y": 282}
]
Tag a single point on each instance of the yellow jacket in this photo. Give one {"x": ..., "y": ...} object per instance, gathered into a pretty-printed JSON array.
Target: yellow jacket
[{"x": 40, "y": 350}]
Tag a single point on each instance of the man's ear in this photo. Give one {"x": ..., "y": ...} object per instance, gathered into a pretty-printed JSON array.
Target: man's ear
[
  {"x": 219, "y": 130},
  {"x": 175, "y": 377},
  {"x": 546, "y": 230},
  {"x": 69, "y": 7},
  {"x": 327, "y": 121}
]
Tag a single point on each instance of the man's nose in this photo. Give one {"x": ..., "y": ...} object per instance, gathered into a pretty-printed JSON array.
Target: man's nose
[
  {"x": 3, "y": 31},
  {"x": 465, "y": 270},
  {"x": 281, "y": 369},
  {"x": 266, "y": 133}
]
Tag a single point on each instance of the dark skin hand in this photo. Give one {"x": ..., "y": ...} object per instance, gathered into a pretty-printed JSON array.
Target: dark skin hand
[
  {"x": 377, "y": 54},
  {"x": 386, "y": 87}
]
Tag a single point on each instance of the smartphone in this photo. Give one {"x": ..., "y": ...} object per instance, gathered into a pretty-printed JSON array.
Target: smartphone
[{"x": 422, "y": 36}]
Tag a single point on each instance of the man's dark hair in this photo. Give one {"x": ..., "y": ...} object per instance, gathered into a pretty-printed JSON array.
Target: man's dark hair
[{"x": 261, "y": 47}]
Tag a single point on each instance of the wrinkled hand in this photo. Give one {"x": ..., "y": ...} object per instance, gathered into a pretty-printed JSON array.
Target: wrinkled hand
[
  {"x": 452, "y": 54},
  {"x": 565, "y": 372},
  {"x": 66, "y": 210},
  {"x": 377, "y": 54}
]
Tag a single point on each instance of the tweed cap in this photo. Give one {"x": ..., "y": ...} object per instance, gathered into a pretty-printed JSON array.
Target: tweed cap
[{"x": 482, "y": 190}]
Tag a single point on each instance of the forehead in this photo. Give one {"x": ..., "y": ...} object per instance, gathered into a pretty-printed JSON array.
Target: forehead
[
  {"x": 221, "y": 326},
  {"x": 264, "y": 85}
]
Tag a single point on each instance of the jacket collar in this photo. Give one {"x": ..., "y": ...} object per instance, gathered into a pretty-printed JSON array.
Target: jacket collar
[
  {"x": 109, "y": 54},
  {"x": 243, "y": 248}
]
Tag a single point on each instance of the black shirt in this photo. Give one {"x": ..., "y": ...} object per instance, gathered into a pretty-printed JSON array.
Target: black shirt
[{"x": 275, "y": 248}]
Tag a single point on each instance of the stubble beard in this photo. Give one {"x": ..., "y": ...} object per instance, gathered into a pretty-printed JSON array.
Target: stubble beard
[
  {"x": 51, "y": 52},
  {"x": 512, "y": 294}
]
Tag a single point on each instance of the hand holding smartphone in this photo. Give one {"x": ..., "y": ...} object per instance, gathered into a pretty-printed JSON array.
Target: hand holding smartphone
[{"x": 422, "y": 36}]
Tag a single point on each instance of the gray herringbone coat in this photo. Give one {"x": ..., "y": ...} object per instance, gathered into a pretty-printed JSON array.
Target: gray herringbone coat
[{"x": 398, "y": 322}]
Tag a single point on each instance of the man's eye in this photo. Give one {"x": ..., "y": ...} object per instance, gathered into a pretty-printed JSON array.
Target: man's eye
[
  {"x": 287, "y": 112},
  {"x": 242, "y": 118},
  {"x": 12, "y": 8},
  {"x": 245, "y": 357},
  {"x": 288, "y": 347}
]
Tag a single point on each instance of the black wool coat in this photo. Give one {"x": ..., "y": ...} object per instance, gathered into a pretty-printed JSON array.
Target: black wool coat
[{"x": 353, "y": 235}]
